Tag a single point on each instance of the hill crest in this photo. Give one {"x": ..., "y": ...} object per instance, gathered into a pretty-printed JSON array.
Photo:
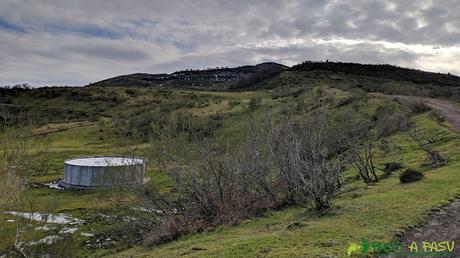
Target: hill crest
[{"x": 244, "y": 77}]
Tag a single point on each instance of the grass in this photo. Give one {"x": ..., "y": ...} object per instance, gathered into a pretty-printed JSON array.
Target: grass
[{"x": 374, "y": 213}]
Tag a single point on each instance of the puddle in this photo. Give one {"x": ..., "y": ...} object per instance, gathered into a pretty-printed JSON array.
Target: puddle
[
  {"x": 53, "y": 185},
  {"x": 46, "y": 240},
  {"x": 148, "y": 210},
  {"x": 50, "y": 218},
  {"x": 44, "y": 228},
  {"x": 68, "y": 230}
]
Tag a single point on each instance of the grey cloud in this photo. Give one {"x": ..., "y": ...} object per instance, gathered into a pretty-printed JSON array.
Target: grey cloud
[
  {"x": 110, "y": 53},
  {"x": 80, "y": 37}
]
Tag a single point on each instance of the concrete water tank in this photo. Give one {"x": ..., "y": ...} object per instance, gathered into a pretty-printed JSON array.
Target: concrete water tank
[{"x": 92, "y": 172}]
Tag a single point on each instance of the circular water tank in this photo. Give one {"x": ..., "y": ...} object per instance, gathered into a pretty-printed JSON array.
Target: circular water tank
[{"x": 91, "y": 172}]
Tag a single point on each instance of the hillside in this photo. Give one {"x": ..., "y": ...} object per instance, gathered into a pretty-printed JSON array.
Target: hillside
[
  {"x": 387, "y": 79},
  {"x": 220, "y": 78},
  {"x": 382, "y": 71},
  {"x": 214, "y": 122}
]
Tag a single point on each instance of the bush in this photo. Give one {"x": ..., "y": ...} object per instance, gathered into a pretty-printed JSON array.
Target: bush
[
  {"x": 170, "y": 229},
  {"x": 437, "y": 116},
  {"x": 344, "y": 101},
  {"x": 233, "y": 103},
  {"x": 131, "y": 92},
  {"x": 410, "y": 175},
  {"x": 391, "y": 123},
  {"x": 419, "y": 107},
  {"x": 390, "y": 118},
  {"x": 254, "y": 103},
  {"x": 390, "y": 167},
  {"x": 298, "y": 92}
]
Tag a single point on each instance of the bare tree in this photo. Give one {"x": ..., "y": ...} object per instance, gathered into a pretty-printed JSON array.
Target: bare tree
[
  {"x": 303, "y": 154},
  {"x": 436, "y": 158},
  {"x": 23, "y": 155},
  {"x": 255, "y": 162},
  {"x": 290, "y": 161},
  {"x": 364, "y": 162},
  {"x": 216, "y": 187}
]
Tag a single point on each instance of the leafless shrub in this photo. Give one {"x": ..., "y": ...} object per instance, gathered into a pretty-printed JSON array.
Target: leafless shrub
[
  {"x": 361, "y": 142},
  {"x": 213, "y": 186},
  {"x": 368, "y": 134},
  {"x": 304, "y": 156},
  {"x": 256, "y": 164},
  {"x": 169, "y": 229},
  {"x": 435, "y": 157},
  {"x": 22, "y": 155},
  {"x": 364, "y": 162},
  {"x": 418, "y": 107},
  {"x": 390, "y": 118},
  {"x": 392, "y": 122},
  {"x": 293, "y": 161},
  {"x": 390, "y": 167}
]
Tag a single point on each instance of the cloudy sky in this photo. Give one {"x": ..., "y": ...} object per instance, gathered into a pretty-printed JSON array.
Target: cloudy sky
[{"x": 68, "y": 42}]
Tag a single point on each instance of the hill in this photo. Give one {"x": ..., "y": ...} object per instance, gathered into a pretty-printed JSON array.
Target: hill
[
  {"x": 55, "y": 124},
  {"x": 219, "y": 78},
  {"x": 382, "y": 71},
  {"x": 383, "y": 78}
]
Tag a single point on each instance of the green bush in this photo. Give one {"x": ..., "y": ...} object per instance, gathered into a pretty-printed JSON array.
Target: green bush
[
  {"x": 437, "y": 116},
  {"x": 410, "y": 175}
]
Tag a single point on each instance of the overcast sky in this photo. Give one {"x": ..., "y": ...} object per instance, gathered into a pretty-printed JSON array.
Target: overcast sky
[{"x": 68, "y": 42}]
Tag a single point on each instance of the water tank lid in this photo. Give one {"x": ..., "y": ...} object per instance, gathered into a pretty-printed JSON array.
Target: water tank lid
[{"x": 104, "y": 161}]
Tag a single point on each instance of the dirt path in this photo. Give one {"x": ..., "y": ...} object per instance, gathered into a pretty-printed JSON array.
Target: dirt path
[
  {"x": 450, "y": 110},
  {"x": 444, "y": 225}
]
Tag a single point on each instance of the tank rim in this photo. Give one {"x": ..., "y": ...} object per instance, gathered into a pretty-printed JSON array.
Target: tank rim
[{"x": 144, "y": 161}]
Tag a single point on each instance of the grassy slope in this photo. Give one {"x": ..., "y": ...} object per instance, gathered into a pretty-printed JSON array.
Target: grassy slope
[
  {"x": 84, "y": 138},
  {"x": 384, "y": 209},
  {"x": 374, "y": 213}
]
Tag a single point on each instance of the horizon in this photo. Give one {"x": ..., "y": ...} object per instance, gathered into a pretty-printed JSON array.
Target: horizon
[{"x": 217, "y": 68}]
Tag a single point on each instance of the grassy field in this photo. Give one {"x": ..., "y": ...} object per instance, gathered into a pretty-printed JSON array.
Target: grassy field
[
  {"x": 85, "y": 136},
  {"x": 375, "y": 212}
]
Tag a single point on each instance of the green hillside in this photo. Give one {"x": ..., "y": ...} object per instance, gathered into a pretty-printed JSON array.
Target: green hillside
[{"x": 167, "y": 118}]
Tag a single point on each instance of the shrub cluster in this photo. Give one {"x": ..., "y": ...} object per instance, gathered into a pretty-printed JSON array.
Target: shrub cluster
[
  {"x": 418, "y": 107},
  {"x": 390, "y": 118},
  {"x": 154, "y": 124},
  {"x": 410, "y": 175},
  {"x": 276, "y": 164}
]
